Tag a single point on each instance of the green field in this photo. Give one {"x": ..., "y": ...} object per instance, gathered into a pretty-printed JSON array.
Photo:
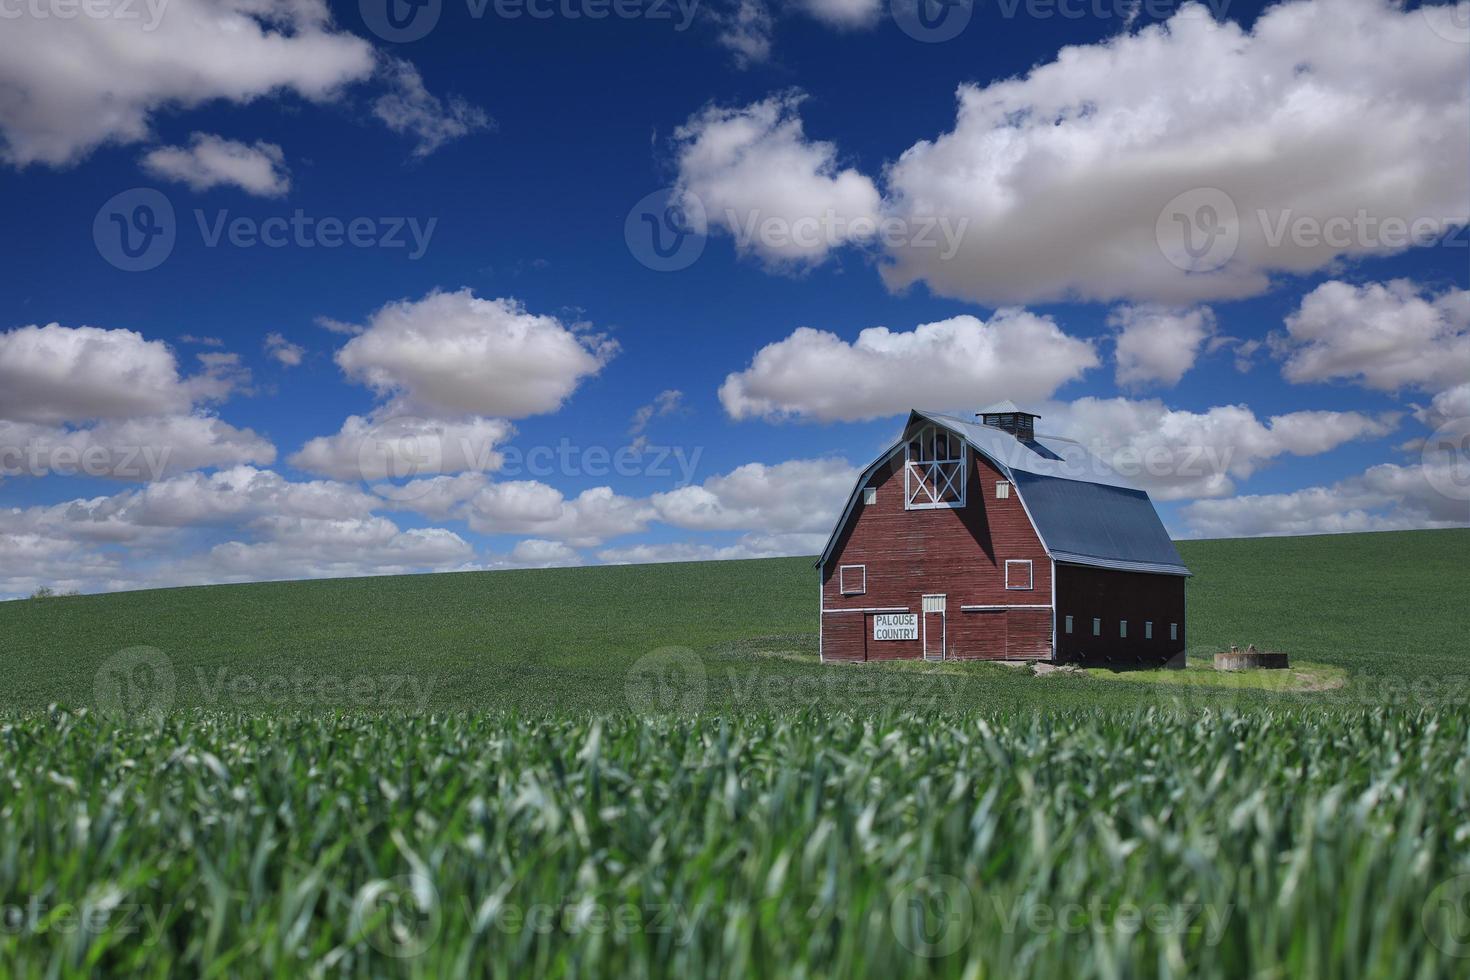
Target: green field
[
  {"x": 1387, "y": 608},
  {"x": 644, "y": 772}
]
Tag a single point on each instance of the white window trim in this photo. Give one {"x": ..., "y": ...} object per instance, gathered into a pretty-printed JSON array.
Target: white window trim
[
  {"x": 910, "y": 466},
  {"x": 1002, "y": 490},
  {"x": 1030, "y": 575},
  {"x": 842, "y": 580},
  {"x": 870, "y": 496}
]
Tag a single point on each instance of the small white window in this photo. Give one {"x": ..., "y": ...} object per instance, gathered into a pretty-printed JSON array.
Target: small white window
[
  {"x": 1123, "y": 628},
  {"x": 870, "y": 496},
  {"x": 1173, "y": 631},
  {"x": 853, "y": 579},
  {"x": 1018, "y": 573},
  {"x": 1148, "y": 630},
  {"x": 935, "y": 467},
  {"x": 1002, "y": 490},
  {"x": 1069, "y": 624},
  {"x": 1097, "y": 627}
]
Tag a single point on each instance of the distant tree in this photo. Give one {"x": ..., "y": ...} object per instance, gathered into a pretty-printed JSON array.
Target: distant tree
[{"x": 44, "y": 592}]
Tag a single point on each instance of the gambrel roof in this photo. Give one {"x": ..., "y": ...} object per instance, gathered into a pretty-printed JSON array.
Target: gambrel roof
[{"x": 1084, "y": 512}]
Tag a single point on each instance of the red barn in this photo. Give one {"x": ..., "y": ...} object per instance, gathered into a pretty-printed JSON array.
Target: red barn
[{"x": 980, "y": 540}]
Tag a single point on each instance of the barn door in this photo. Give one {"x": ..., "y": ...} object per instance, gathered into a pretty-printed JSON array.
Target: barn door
[{"x": 934, "y": 606}]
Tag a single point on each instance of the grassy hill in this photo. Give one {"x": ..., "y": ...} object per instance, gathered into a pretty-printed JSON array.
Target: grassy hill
[{"x": 1388, "y": 608}]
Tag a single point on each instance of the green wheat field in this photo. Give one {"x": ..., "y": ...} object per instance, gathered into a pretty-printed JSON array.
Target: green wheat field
[{"x": 644, "y": 772}]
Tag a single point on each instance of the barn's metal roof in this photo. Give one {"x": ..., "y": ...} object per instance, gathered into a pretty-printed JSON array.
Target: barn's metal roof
[{"x": 1083, "y": 511}]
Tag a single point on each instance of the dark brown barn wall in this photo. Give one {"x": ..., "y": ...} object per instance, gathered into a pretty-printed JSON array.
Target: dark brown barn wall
[
  {"x": 959, "y": 553},
  {"x": 1088, "y": 593}
]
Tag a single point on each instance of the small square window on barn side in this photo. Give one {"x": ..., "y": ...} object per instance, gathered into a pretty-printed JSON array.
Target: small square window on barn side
[
  {"x": 1069, "y": 624},
  {"x": 1002, "y": 490},
  {"x": 870, "y": 496},
  {"x": 1018, "y": 573},
  {"x": 1148, "y": 630},
  {"x": 1123, "y": 628},
  {"x": 1097, "y": 627},
  {"x": 1173, "y": 631},
  {"x": 852, "y": 579}
]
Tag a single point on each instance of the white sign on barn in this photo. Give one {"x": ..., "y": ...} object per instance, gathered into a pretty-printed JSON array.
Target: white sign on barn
[{"x": 896, "y": 626}]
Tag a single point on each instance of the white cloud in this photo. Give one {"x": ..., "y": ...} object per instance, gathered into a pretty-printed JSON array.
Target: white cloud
[
  {"x": 72, "y": 84},
  {"x": 759, "y": 178},
  {"x": 209, "y": 161},
  {"x": 338, "y": 326},
  {"x": 456, "y": 354},
  {"x": 531, "y": 507},
  {"x": 283, "y": 350},
  {"x": 537, "y": 553},
  {"x": 56, "y": 374},
  {"x": 844, "y": 14},
  {"x": 1158, "y": 344},
  {"x": 1175, "y": 454},
  {"x": 300, "y": 548},
  {"x": 1386, "y": 497},
  {"x": 746, "y": 32},
  {"x": 408, "y": 107},
  {"x": 141, "y": 449},
  {"x": 387, "y": 445},
  {"x": 959, "y": 362},
  {"x": 668, "y": 402},
  {"x": 1385, "y": 336},
  {"x": 1064, "y": 172},
  {"x": 797, "y": 495},
  {"x": 1448, "y": 405}
]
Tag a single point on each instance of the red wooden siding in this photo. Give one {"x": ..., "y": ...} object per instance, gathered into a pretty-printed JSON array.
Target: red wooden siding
[
  {"x": 959, "y": 553},
  {"x": 1092, "y": 593}
]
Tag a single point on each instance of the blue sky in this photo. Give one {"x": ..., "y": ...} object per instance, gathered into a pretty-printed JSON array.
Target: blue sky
[{"x": 518, "y": 147}]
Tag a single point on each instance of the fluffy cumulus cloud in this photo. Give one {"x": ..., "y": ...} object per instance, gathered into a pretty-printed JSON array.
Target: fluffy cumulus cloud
[
  {"x": 72, "y": 84},
  {"x": 1156, "y": 344},
  {"x": 783, "y": 197},
  {"x": 87, "y": 401},
  {"x": 532, "y": 507},
  {"x": 453, "y": 354},
  {"x": 668, "y": 402},
  {"x": 747, "y": 546},
  {"x": 274, "y": 529},
  {"x": 408, "y": 107},
  {"x": 210, "y": 161},
  {"x": 1179, "y": 454},
  {"x": 284, "y": 351},
  {"x": 745, "y": 30},
  {"x": 1065, "y": 173},
  {"x": 959, "y": 362},
  {"x": 795, "y": 496},
  {"x": 1386, "y": 497},
  {"x": 1386, "y": 336},
  {"x": 387, "y": 445}
]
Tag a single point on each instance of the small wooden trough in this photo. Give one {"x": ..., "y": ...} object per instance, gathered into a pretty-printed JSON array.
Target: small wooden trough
[{"x": 1249, "y": 659}]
